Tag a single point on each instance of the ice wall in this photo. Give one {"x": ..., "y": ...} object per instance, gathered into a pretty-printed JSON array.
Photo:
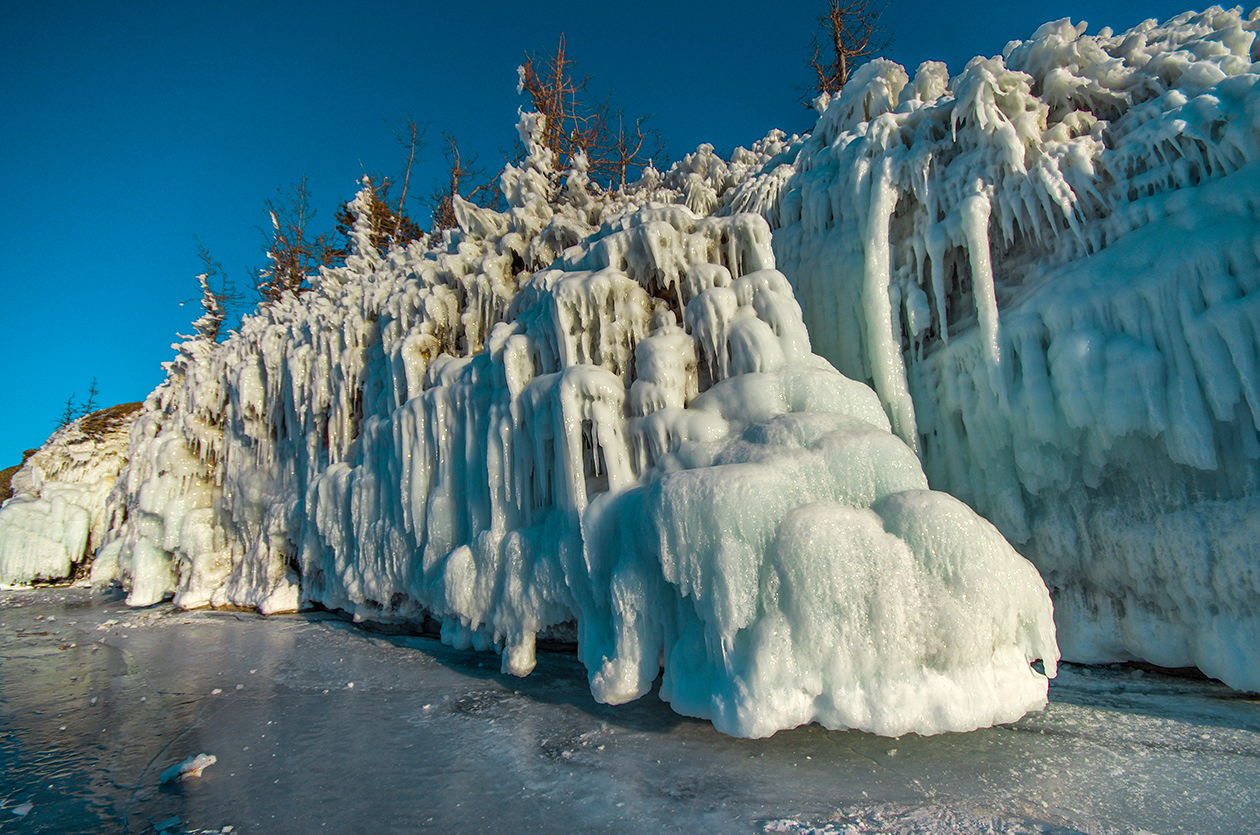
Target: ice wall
[
  {"x": 1047, "y": 268},
  {"x": 57, "y": 518},
  {"x": 592, "y": 412}
]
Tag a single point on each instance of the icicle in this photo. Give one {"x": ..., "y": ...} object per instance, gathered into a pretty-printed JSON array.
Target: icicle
[
  {"x": 975, "y": 226},
  {"x": 887, "y": 366}
]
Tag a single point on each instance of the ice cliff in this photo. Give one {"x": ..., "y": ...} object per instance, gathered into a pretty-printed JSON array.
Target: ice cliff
[
  {"x": 592, "y": 412},
  {"x": 1047, "y": 267},
  {"x": 611, "y": 412}
]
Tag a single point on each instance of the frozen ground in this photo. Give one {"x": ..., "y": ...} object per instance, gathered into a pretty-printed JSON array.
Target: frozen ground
[{"x": 321, "y": 726}]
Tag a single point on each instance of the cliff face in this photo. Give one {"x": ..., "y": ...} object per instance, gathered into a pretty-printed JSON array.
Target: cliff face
[
  {"x": 1046, "y": 267},
  {"x": 589, "y": 412}
]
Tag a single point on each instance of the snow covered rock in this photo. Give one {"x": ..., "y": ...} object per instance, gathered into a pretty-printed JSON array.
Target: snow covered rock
[
  {"x": 57, "y": 515},
  {"x": 6, "y": 476},
  {"x": 1046, "y": 267}
]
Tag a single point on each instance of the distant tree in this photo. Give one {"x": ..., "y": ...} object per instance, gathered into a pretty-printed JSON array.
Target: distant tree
[
  {"x": 849, "y": 35},
  {"x": 576, "y": 125},
  {"x": 69, "y": 413},
  {"x": 90, "y": 405}
]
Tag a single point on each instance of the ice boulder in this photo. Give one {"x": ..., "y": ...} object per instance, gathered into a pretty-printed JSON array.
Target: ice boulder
[{"x": 798, "y": 569}]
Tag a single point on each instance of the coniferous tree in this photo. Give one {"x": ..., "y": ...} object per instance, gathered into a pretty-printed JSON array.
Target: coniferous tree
[{"x": 293, "y": 251}]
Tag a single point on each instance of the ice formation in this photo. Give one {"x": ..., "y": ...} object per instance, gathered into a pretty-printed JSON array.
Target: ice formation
[
  {"x": 56, "y": 518},
  {"x": 603, "y": 411},
  {"x": 1047, "y": 268},
  {"x": 592, "y": 412}
]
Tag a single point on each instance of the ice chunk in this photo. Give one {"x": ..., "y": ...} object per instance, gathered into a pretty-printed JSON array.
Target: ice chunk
[{"x": 188, "y": 769}]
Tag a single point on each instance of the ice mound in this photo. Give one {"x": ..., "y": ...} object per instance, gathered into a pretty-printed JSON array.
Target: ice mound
[
  {"x": 592, "y": 410},
  {"x": 1046, "y": 267},
  {"x": 57, "y": 515},
  {"x": 800, "y": 570}
]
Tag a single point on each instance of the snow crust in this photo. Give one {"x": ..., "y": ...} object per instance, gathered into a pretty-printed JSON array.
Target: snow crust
[
  {"x": 1046, "y": 267},
  {"x": 590, "y": 412},
  {"x": 56, "y": 517}
]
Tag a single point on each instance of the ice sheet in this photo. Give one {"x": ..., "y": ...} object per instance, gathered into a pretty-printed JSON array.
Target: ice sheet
[{"x": 439, "y": 740}]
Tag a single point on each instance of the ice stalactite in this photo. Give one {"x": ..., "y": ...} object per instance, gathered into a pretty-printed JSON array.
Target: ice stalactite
[{"x": 1060, "y": 242}]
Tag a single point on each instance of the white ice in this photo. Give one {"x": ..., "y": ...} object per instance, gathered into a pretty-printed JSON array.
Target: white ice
[
  {"x": 56, "y": 517},
  {"x": 1046, "y": 267}
]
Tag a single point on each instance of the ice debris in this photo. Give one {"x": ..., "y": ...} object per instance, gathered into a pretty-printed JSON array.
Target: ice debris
[{"x": 189, "y": 768}]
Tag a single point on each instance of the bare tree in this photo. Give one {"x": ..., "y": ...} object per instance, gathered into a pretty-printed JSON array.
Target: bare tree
[
  {"x": 460, "y": 171},
  {"x": 625, "y": 148},
  {"x": 294, "y": 253},
  {"x": 576, "y": 125},
  {"x": 554, "y": 93},
  {"x": 849, "y": 35},
  {"x": 411, "y": 137}
]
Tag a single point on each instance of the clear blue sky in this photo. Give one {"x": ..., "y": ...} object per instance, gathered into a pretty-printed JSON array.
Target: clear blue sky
[{"x": 132, "y": 128}]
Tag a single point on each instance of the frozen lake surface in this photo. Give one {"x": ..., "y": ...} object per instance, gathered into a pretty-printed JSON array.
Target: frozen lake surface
[{"x": 318, "y": 725}]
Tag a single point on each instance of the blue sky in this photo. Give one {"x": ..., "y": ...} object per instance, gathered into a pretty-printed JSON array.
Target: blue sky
[{"x": 131, "y": 129}]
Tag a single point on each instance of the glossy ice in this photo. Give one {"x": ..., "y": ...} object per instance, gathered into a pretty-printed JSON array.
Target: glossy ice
[{"x": 321, "y": 726}]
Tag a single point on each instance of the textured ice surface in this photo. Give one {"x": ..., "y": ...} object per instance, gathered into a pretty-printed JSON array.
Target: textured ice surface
[
  {"x": 590, "y": 412},
  {"x": 56, "y": 517},
  {"x": 1046, "y": 266}
]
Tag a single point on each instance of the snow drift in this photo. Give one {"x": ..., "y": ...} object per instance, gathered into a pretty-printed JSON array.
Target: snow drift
[{"x": 603, "y": 412}]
